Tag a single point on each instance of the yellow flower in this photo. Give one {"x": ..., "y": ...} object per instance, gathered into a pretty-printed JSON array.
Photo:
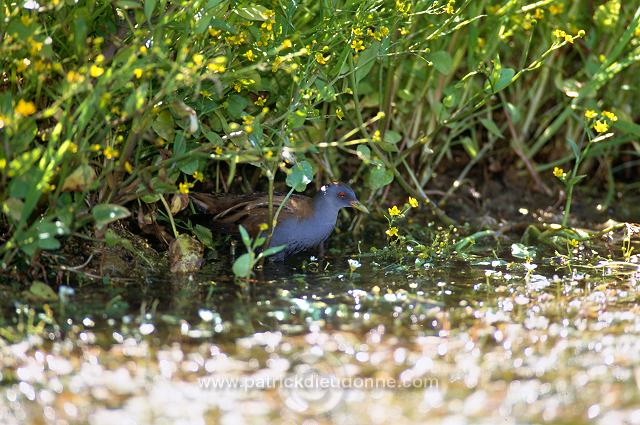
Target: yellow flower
[
  {"x": 600, "y": 126},
  {"x": 143, "y": 49},
  {"x": 357, "y": 45},
  {"x": 184, "y": 188},
  {"x": 357, "y": 31},
  {"x": 263, "y": 226},
  {"x": 110, "y": 153},
  {"x": 321, "y": 59},
  {"x": 128, "y": 167},
  {"x": 248, "y": 119},
  {"x": 261, "y": 100},
  {"x": 216, "y": 68},
  {"x": 558, "y": 172},
  {"x": 339, "y": 113},
  {"x": 568, "y": 38},
  {"x": 413, "y": 202},
  {"x": 376, "y": 136},
  {"x": 394, "y": 211},
  {"x": 218, "y": 150},
  {"x": 214, "y": 32},
  {"x": 96, "y": 71},
  {"x": 197, "y": 175},
  {"x": 137, "y": 73},
  {"x": 287, "y": 44},
  {"x": 392, "y": 231},
  {"x": 559, "y": 33},
  {"x": 74, "y": 77},
  {"x": 590, "y": 114},
  {"x": 4, "y": 121},
  {"x": 3, "y": 163},
  {"x": 35, "y": 46},
  {"x": 556, "y": 9},
  {"x": 25, "y": 108},
  {"x": 449, "y": 9},
  {"x": 610, "y": 115},
  {"x": 198, "y": 58},
  {"x": 250, "y": 55}
]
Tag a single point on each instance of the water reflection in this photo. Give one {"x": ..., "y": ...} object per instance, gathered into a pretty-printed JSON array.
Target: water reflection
[{"x": 483, "y": 341}]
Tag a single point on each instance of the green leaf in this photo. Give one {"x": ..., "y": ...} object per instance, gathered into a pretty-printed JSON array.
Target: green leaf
[
  {"x": 296, "y": 119},
  {"x": 273, "y": 250},
  {"x": 236, "y": 105},
  {"x": 574, "y": 147},
  {"x": 470, "y": 146},
  {"x": 104, "y": 214},
  {"x": 523, "y": 252},
  {"x": 46, "y": 233},
  {"x": 223, "y": 26},
  {"x": 253, "y": 12},
  {"x": 392, "y": 137},
  {"x": 366, "y": 60},
  {"x": 42, "y": 291},
  {"x": 514, "y": 112},
  {"x": 149, "y": 6},
  {"x": 492, "y": 127},
  {"x": 300, "y": 176},
  {"x": 325, "y": 91},
  {"x": 204, "y": 235},
  {"x": 364, "y": 153},
  {"x": 379, "y": 177},
  {"x": 442, "y": 61},
  {"x": 506, "y": 77},
  {"x": 163, "y": 125},
  {"x": 243, "y": 265},
  {"x": 246, "y": 239}
]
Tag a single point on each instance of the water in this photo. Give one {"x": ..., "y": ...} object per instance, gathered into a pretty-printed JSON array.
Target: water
[{"x": 484, "y": 340}]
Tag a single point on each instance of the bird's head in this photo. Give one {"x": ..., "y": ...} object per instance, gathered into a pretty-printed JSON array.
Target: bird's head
[{"x": 340, "y": 195}]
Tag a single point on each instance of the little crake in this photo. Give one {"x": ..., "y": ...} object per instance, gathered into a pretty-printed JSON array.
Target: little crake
[{"x": 303, "y": 222}]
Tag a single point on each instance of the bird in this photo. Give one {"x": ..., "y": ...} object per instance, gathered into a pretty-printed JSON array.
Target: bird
[{"x": 303, "y": 222}]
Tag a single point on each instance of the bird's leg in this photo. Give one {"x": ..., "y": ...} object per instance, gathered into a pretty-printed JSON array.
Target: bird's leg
[{"x": 321, "y": 250}]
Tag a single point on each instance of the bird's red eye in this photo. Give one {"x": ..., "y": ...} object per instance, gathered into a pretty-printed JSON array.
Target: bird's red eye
[{"x": 341, "y": 195}]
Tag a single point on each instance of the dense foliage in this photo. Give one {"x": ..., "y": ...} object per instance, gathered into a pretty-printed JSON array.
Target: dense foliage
[{"x": 110, "y": 107}]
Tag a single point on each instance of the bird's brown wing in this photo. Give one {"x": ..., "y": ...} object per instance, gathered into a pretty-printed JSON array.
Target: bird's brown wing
[{"x": 250, "y": 211}]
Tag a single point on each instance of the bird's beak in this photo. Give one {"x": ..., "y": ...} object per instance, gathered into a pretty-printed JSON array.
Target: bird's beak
[{"x": 359, "y": 206}]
